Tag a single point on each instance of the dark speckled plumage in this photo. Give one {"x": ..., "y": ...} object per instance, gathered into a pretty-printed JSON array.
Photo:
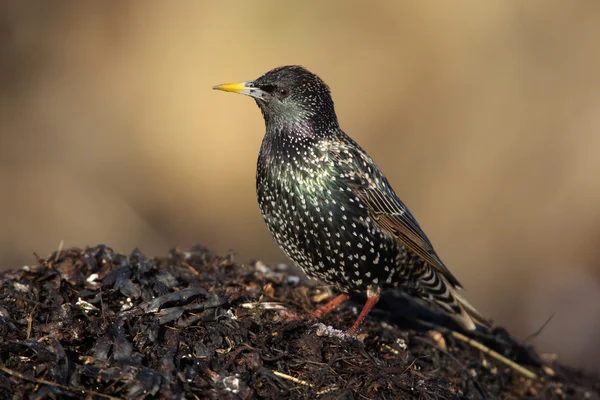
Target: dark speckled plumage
[{"x": 329, "y": 206}]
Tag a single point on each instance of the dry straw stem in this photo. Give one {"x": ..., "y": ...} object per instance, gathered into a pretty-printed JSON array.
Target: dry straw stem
[
  {"x": 484, "y": 349},
  {"x": 301, "y": 382}
]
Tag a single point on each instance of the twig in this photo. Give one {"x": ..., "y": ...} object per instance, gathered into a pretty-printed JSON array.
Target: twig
[
  {"x": 41, "y": 261},
  {"x": 190, "y": 268},
  {"x": 102, "y": 306},
  {"x": 328, "y": 390},
  {"x": 30, "y": 322},
  {"x": 59, "y": 250},
  {"x": 291, "y": 378},
  {"x": 412, "y": 363},
  {"x": 536, "y": 333},
  {"x": 524, "y": 371},
  {"x": 303, "y": 383},
  {"x": 45, "y": 382}
]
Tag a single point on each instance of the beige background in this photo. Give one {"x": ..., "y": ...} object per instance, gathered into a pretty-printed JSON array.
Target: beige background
[{"x": 484, "y": 115}]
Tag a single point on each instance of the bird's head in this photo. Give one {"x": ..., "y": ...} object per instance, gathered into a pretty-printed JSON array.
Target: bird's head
[{"x": 291, "y": 99}]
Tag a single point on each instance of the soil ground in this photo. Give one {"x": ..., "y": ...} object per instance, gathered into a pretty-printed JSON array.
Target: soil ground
[{"x": 92, "y": 323}]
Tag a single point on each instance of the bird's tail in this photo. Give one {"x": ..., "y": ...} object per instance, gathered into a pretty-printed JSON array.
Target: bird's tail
[
  {"x": 455, "y": 306},
  {"x": 470, "y": 312}
]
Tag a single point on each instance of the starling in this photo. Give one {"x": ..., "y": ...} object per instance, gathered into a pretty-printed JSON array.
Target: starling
[{"x": 331, "y": 209}]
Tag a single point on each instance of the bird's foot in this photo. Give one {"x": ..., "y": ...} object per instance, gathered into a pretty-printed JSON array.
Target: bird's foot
[
  {"x": 329, "y": 306},
  {"x": 287, "y": 315}
]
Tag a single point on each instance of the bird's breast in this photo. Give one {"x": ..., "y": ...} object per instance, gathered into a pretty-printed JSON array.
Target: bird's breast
[{"x": 319, "y": 222}]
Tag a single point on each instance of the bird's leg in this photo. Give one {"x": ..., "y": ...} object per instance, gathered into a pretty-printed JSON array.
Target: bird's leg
[
  {"x": 287, "y": 316},
  {"x": 372, "y": 299},
  {"x": 331, "y": 304}
]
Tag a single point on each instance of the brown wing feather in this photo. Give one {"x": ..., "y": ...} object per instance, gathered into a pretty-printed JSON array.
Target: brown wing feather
[
  {"x": 399, "y": 222},
  {"x": 387, "y": 211},
  {"x": 385, "y": 208}
]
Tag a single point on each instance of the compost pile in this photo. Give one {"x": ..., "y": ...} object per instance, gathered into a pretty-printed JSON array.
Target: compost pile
[{"x": 93, "y": 323}]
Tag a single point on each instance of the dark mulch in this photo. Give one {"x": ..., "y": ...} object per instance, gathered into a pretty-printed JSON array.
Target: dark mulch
[{"x": 93, "y": 323}]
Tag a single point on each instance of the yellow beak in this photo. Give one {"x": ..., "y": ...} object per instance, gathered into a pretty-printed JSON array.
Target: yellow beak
[
  {"x": 233, "y": 87},
  {"x": 246, "y": 88}
]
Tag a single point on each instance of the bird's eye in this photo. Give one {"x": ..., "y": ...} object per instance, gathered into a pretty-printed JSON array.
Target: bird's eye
[{"x": 283, "y": 92}]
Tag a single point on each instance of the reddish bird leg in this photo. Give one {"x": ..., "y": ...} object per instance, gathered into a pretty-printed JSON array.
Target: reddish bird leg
[
  {"x": 331, "y": 304},
  {"x": 371, "y": 301}
]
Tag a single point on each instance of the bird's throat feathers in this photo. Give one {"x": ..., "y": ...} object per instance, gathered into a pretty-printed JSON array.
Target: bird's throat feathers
[
  {"x": 297, "y": 121},
  {"x": 292, "y": 125}
]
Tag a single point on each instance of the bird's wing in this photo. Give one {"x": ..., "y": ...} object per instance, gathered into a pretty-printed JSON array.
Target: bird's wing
[
  {"x": 393, "y": 217},
  {"x": 385, "y": 208}
]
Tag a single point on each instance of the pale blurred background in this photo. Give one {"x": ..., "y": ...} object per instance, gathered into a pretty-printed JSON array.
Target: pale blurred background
[{"x": 485, "y": 117}]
